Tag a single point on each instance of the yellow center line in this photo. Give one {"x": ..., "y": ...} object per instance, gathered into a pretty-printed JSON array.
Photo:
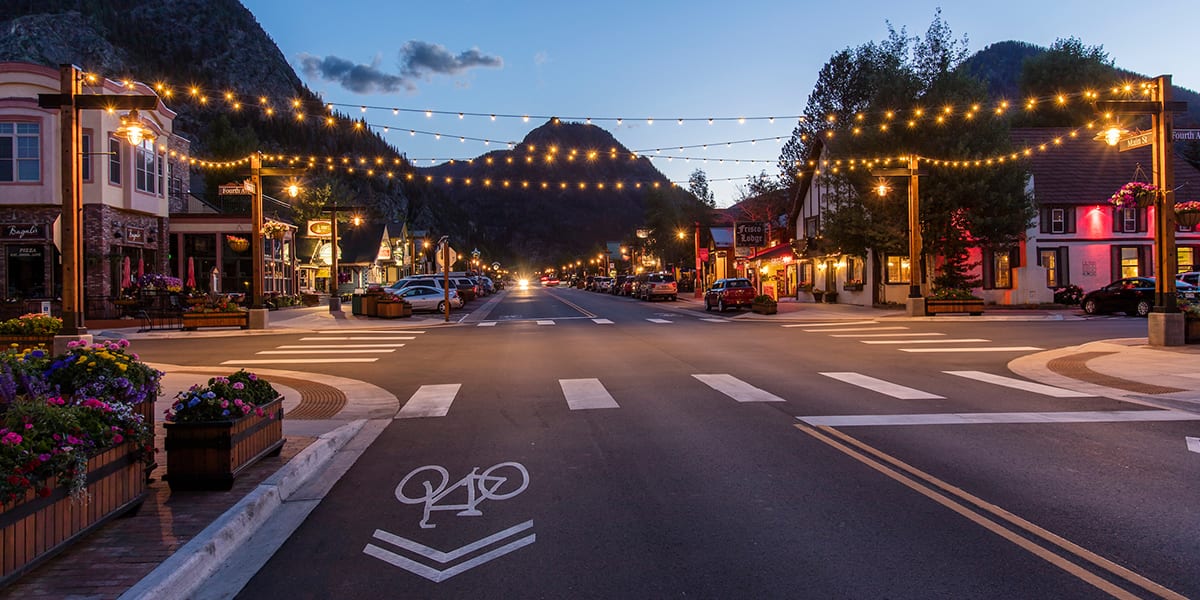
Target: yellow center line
[
  {"x": 824, "y": 434},
  {"x": 581, "y": 310}
]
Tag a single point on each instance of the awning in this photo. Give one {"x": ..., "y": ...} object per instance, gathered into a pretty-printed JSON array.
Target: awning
[
  {"x": 722, "y": 237},
  {"x": 782, "y": 252}
]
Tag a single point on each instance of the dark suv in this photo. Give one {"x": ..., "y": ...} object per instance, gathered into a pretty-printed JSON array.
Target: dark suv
[{"x": 729, "y": 293}]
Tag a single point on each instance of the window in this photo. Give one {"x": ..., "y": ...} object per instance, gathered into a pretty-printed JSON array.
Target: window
[
  {"x": 1185, "y": 259},
  {"x": 1129, "y": 219},
  {"x": 897, "y": 269},
  {"x": 1054, "y": 260},
  {"x": 145, "y": 168},
  {"x": 20, "y": 152},
  {"x": 114, "y": 161},
  {"x": 85, "y": 159},
  {"x": 1130, "y": 261},
  {"x": 1058, "y": 221},
  {"x": 998, "y": 266},
  {"x": 812, "y": 227},
  {"x": 854, "y": 271}
]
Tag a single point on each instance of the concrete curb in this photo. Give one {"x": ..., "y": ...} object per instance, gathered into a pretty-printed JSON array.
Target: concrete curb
[{"x": 184, "y": 571}]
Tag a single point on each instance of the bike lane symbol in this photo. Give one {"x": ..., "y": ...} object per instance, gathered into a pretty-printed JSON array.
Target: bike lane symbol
[{"x": 430, "y": 485}]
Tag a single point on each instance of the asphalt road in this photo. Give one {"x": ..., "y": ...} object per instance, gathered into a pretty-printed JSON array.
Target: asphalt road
[{"x": 641, "y": 451}]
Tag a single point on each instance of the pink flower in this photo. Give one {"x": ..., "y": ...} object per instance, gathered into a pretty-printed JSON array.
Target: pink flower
[
  {"x": 238, "y": 385},
  {"x": 259, "y": 411},
  {"x": 118, "y": 438},
  {"x": 224, "y": 403},
  {"x": 11, "y": 438},
  {"x": 73, "y": 440},
  {"x": 28, "y": 426}
]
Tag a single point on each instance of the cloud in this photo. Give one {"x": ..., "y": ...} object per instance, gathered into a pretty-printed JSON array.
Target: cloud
[
  {"x": 362, "y": 79},
  {"x": 418, "y": 60},
  {"x": 541, "y": 58}
]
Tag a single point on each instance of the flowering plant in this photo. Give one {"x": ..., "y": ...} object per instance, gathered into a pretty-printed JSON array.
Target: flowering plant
[
  {"x": 44, "y": 438},
  {"x": 159, "y": 281},
  {"x": 22, "y": 373},
  {"x": 216, "y": 304},
  {"x": 223, "y": 399},
  {"x": 237, "y": 244},
  {"x": 103, "y": 370},
  {"x": 274, "y": 229},
  {"x": 1190, "y": 310},
  {"x": 32, "y": 324},
  {"x": 1134, "y": 193},
  {"x": 1187, "y": 206}
]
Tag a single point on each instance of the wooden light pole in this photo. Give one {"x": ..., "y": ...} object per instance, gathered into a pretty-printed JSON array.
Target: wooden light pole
[
  {"x": 258, "y": 315},
  {"x": 916, "y": 302}
]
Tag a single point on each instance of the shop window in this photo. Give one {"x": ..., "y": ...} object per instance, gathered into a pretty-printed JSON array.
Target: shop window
[
  {"x": 20, "y": 152},
  {"x": 854, "y": 272},
  {"x": 998, "y": 266},
  {"x": 1054, "y": 261},
  {"x": 114, "y": 161},
  {"x": 26, "y": 267},
  {"x": 1130, "y": 261},
  {"x": 806, "y": 273},
  {"x": 1185, "y": 259},
  {"x": 897, "y": 269}
]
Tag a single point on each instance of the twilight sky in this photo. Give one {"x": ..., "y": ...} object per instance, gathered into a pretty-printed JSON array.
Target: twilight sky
[{"x": 651, "y": 58}]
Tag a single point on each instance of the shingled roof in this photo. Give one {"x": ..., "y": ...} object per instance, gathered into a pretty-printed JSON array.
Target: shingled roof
[{"x": 1083, "y": 171}]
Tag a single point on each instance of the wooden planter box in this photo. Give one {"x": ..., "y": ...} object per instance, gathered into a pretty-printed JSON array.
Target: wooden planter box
[
  {"x": 393, "y": 310},
  {"x": 192, "y": 320},
  {"x": 34, "y": 529},
  {"x": 937, "y": 307},
  {"x": 1191, "y": 331},
  {"x": 209, "y": 456},
  {"x": 26, "y": 341},
  {"x": 370, "y": 305},
  {"x": 764, "y": 308}
]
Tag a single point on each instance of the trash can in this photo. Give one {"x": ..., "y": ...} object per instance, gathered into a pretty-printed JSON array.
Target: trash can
[{"x": 356, "y": 304}]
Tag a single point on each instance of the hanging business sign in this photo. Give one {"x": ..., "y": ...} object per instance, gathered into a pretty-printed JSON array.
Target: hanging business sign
[
  {"x": 320, "y": 228},
  {"x": 135, "y": 235},
  {"x": 751, "y": 234}
]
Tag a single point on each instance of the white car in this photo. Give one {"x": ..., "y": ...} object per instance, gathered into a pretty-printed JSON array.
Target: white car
[{"x": 424, "y": 297}]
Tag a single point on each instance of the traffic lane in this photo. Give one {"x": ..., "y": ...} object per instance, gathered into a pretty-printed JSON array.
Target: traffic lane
[
  {"x": 1125, "y": 491},
  {"x": 534, "y": 303},
  {"x": 678, "y": 493}
]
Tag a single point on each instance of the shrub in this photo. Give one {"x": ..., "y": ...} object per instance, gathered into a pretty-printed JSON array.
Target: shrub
[
  {"x": 1069, "y": 295},
  {"x": 764, "y": 299},
  {"x": 31, "y": 324},
  {"x": 953, "y": 294}
]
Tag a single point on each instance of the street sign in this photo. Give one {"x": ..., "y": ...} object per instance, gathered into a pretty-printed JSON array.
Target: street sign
[
  {"x": 232, "y": 189},
  {"x": 1138, "y": 140},
  {"x": 751, "y": 234},
  {"x": 1186, "y": 135}
]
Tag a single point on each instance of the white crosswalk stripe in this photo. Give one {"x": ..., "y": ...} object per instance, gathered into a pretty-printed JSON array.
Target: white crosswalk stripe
[
  {"x": 373, "y": 331},
  {"x": 830, "y": 324},
  {"x": 331, "y": 346},
  {"x": 355, "y": 339},
  {"x": 545, "y": 322},
  {"x": 839, "y": 329},
  {"x": 430, "y": 401},
  {"x": 328, "y": 351},
  {"x": 964, "y": 349},
  {"x": 298, "y": 361},
  {"x": 716, "y": 320},
  {"x": 602, "y": 321},
  {"x": 737, "y": 389},
  {"x": 1018, "y": 384},
  {"x": 488, "y": 324},
  {"x": 883, "y": 387},
  {"x": 659, "y": 321},
  {"x": 863, "y": 335},
  {"x": 586, "y": 394},
  {"x": 937, "y": 341},
  {"x": 1115, "y": 416}
]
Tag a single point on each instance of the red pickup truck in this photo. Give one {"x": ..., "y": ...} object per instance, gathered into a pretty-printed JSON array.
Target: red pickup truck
[{"x": 729, "y": 293}]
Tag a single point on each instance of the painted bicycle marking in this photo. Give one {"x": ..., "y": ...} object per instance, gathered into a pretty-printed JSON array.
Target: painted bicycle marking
[{"x": 497, "y": 482}]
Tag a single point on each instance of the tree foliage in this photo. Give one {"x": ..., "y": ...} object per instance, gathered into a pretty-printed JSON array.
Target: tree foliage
[{"x": 698, "y": 186}]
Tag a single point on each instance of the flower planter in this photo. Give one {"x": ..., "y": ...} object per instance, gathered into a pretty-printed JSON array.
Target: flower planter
[
  {"x": 26, "y": 341},
  {"x": 34, "y": 529},
  {"x": 1191, "y": 331},
  {"x": 937, "y": 307},
  {"x": 1188, "y": 218},
  {"x": 192, "y": 320},
  {"x": 393, "y": 310},
  {"x": 764, "y": 308},
  {"x": 209, "y": 456},
  {"x": 853, "y": 287},
  {"x": 818, "y": 296},
  {"x": 831, "y": 297},
  {"x": 369, "y": 305}
]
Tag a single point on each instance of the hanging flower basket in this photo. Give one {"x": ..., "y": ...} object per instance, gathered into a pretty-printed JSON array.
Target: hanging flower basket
[
  {"x": 1187, "y": 214},
  {"x": 237, "y": 244},
  {"x": 274, "y": 229},
  {"x": 1135, "y": 194}
]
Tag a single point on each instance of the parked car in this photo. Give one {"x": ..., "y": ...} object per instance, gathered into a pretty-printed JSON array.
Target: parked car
[
  {"x": 1133, "y": 296},
  {"x": 658, "y": 285},
  {"x": 618, "y": 285},
  {"x": 733, "y": 292},
  {"x": 1192, "y": 277},
  {"x": 424, "y": 297},
  {"x": 602, "y": 284},
  {"x": 466, "y": 288}
]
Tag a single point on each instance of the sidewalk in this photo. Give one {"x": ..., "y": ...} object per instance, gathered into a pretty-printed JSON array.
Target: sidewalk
[{"x": 179, "y": 538}]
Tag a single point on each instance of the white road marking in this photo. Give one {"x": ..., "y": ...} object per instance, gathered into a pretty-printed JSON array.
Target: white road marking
[
  {"x": 358, "y": 339},
  {"x": 298, "y": 361},
  {"x": 1116, "y": 416},
  {"x": 341, "y": 346},
  {"x": 430, "y": 401},
  {"x": 659, "y": 321},
  {"x": 996, "y": 349},
  {"x": 488, "y": 324},
  {"x": 602, "y": 321},
  {"x": 389, "y": 331},
  {"x": 323, "y": 351},
  {"x": 716, "y": 320},
  {"x": 545, "y": 322},
  {"x": 863, "y": 335},
  {"x": 830, "y": 324},
  {"x": 586, "y": 394},
  {"x": 435, "y": 575},
  {"x": 856, "y": 329},
  {"x": 1193, "y": 444},
  {"x": 937, "y": 341},
  {"x": 1028, "y": 386},
  {"x": 737, "y": 389},
  {"x": 883, "y": 387}
]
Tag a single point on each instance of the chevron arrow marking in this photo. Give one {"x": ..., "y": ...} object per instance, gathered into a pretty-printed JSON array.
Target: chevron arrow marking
[{"x": 438, "y": 576}]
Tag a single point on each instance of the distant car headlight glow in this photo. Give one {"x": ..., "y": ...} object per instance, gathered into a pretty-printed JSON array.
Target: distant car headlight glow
[{"x": 523, "y": 284}]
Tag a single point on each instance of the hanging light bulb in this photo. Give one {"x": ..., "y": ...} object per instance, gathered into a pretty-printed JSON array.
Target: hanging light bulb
[{"x": 133, "y": 130}]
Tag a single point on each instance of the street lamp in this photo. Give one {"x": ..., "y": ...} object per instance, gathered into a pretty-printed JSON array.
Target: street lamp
[
  {"x": 335, "y": 300},
  {"x": 258, "y": 313},
  {"x": 916, "y": 303},
  {"x": 69, "y": 102}
]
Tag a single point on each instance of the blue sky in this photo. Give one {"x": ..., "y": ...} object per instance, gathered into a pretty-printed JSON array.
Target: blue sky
[{"x": 662, "y": 59}]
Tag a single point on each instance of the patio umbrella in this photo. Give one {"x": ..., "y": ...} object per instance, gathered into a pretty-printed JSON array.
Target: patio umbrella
[
  {"x": 125, "y": 273},
  {"x": 191, "y": 277},
  {"x": 141, "y": 269}
]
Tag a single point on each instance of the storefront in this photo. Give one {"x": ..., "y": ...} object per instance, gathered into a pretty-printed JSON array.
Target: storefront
[{"x": 31, "y": 267}]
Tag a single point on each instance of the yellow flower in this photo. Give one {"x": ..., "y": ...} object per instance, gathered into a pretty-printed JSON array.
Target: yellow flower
[{"x": 122, "y": 368}]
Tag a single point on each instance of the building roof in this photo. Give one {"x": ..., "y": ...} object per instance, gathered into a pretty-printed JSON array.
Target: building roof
[
  {"x": 722, "y": 237},
  {"x": 1081, "y": 170}
]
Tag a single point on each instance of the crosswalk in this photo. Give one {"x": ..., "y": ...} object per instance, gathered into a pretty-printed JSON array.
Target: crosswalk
[
  {"x": 588, "y": 394},
  {"x": 659, "y": 320},
  {"x": 334, "y": 347},
  {"x": 900, "y": 337}
]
